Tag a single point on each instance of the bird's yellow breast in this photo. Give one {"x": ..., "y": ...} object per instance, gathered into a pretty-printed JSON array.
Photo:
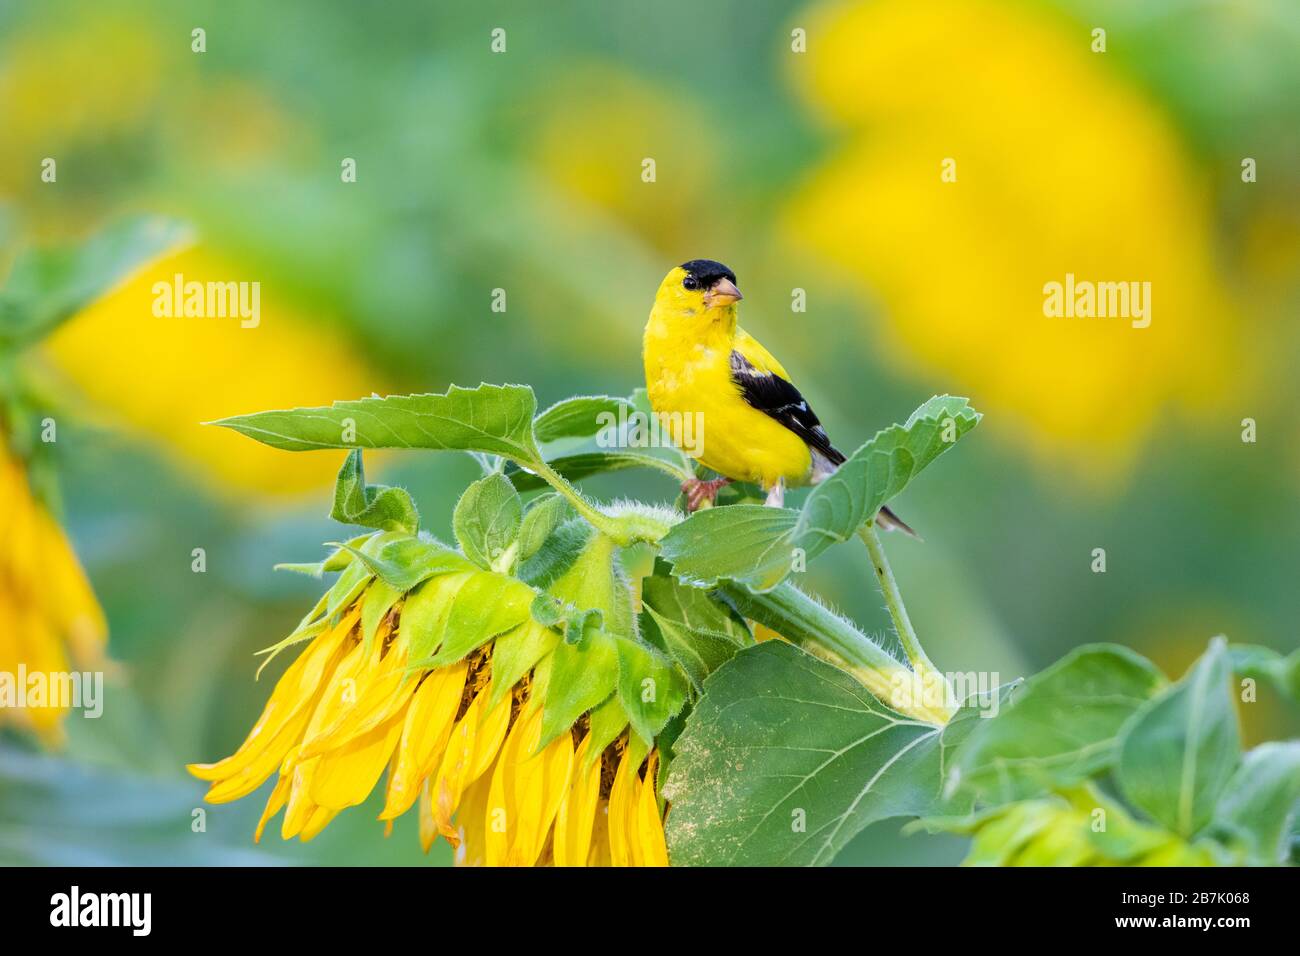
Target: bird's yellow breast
[{"x": 688, "y": 379}]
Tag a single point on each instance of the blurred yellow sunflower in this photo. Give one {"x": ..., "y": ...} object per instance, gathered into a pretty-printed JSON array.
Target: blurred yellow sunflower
[
  {"x": 460, "y": 740},
  {"x": 1062, "y": 166},
  {"x": 165, "y": 376},
  {"x": 48, "y": 613}
]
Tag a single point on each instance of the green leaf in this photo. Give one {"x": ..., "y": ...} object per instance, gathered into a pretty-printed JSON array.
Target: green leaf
[
  {"x": 1177, "y": 753},
  {"x": 371, "y": 506},
  {"x": 497, "y": 419},
  {"x": 701, "y": 631},
  {"x": 578, "y": 467},
  {"x": 651, "y": 688},
  {"x": 786, "y": 758},
  {"x": 336, "y": 560},
  {"x": 608, "y": 720},
  {"x": 595, "y": 583},
  {"x": 544, "y": 515},
  {"x": 1060, "y": 728},
  {"x": 558, "y": 554},
  {"x": 516, "y": 653},
  {"x": 750, "y": 544},
  {"x": 579, "y": 417},
  {"x": 582, "y": 676},
  {"x": 46, "y": 286},
  {"x": 424, "y": 615},
  {"x": 1260, "y": 803},
  {"x": 405, "y": 561},
  {"x": 757, "y": 546},
  {"x": 1255, "y": 661},
  {"x": 377, "y": 602},
  {"x": 1078, "y": 827},
  {"x": 487, "y": 520},
  {"x": 485, "y": 606}
]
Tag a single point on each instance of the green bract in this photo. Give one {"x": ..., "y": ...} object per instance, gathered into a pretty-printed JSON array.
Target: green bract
[{"x": 778, "y": 751}]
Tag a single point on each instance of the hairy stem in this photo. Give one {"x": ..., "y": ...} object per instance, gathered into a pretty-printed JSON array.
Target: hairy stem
[
  {"x": 818, "y": 630},
  {"x": 624, "y": 529},
  {"x": 916, "y": 655}
]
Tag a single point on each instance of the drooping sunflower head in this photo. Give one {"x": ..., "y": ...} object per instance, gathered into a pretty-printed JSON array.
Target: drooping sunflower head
[
  {"x": 513, "y": 741},
  {"x": 49, "y": 618}
]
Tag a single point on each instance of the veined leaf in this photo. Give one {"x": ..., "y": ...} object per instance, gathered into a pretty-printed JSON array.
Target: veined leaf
[
  {"x": 516, "y": 653},
  {"x": 577, "y": 467},
  {"x": 375, "y": 604},
  {"x": 372, "y": 506},
  {"x": 487, "y": 519},
  {"x": 497, "y": 419},
  {"x": 651, "y": 687},
  {"x": 579, "y": 417},
  {"x": 1253, "y": 660},
  {"x": 1060, "y": 728},
  {"x": 544, "y": 515},
  {"x": 405, "y": 561},
  {"x": 485, "y": 606},
  {"x": 1179, "y": 750},
  {"x": 582, "y": 676},
  {"x": 608, "y": 720},
  {"x": 750, "y": 544},
  {"x": 1077, "y": 827},
  {"x": 557, "y": 555},
  {"x": 701, "y": 631},
  {"x": 786, "y": 758},
  {"x": 336, "y": 560},
  {"x": 1260, "y": 801},
  {"x": 757, "y": 546},
  {"x": 46, "y": 286}
]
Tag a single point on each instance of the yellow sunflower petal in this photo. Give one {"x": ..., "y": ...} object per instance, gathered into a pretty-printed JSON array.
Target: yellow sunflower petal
[
  {"x": 273, "y": 806},
  {"x": 491, "y": 734},
  {"x": 649, "y": 846},
  {"x": 300, "y": 806},
  {"x": 294, "y": 697},
  {"x": 428, "y": 826},
  {"x": 427, "y": 727},
  {"x": 385, "y": 693},
  {"x": 346, "y": 775},
  {"x": 470, "y": 823},
  {"x": 622, "y": 798},
  {"x": 575, "y": 822}
]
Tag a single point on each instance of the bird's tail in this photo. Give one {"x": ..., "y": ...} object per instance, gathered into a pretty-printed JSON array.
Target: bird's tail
[{"x": 891, "y": 522}]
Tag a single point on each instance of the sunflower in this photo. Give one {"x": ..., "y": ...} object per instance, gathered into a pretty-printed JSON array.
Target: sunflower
[
  {"x": 1095, "y": 183},
  {"x": 468, "y": 737},
  {"x": 48, "y": 612}
]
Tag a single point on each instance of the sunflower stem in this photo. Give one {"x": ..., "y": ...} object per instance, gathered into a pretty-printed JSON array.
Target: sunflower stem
[
  {"x": 916, "y": 656},
  {"x": 821, "y": 632},
  {"x": 611, "y": 527}
]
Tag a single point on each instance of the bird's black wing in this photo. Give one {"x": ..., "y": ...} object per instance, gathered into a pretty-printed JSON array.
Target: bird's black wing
[{"x": 779, "y": 399}]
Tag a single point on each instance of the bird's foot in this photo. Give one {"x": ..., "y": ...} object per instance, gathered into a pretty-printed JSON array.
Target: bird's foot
[
  {"x": 776, "y": 495},
  {"x": 698, "y": 492}
]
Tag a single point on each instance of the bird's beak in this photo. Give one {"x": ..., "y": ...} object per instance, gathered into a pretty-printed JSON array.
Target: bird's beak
[{"x": 722, "y": 292}]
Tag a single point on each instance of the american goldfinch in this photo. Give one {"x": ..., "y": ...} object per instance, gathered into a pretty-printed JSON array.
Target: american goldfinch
[{"x": 710, "y": 380}]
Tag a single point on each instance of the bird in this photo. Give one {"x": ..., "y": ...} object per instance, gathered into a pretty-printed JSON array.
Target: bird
[{"x": 703, "y": 371}]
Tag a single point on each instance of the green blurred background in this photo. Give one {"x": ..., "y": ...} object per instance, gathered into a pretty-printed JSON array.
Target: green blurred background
[{"x": 522, "y": 170}]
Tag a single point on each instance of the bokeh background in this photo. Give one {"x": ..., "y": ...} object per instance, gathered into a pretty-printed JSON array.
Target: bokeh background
[{"x": 817, "y": 171}]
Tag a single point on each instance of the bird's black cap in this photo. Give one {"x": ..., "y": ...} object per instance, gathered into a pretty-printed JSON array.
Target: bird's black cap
[{"x": 707, "y": 272}]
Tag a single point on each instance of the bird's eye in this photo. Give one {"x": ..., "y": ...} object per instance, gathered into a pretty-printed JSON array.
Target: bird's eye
[{"x": 691, "y": 283}]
